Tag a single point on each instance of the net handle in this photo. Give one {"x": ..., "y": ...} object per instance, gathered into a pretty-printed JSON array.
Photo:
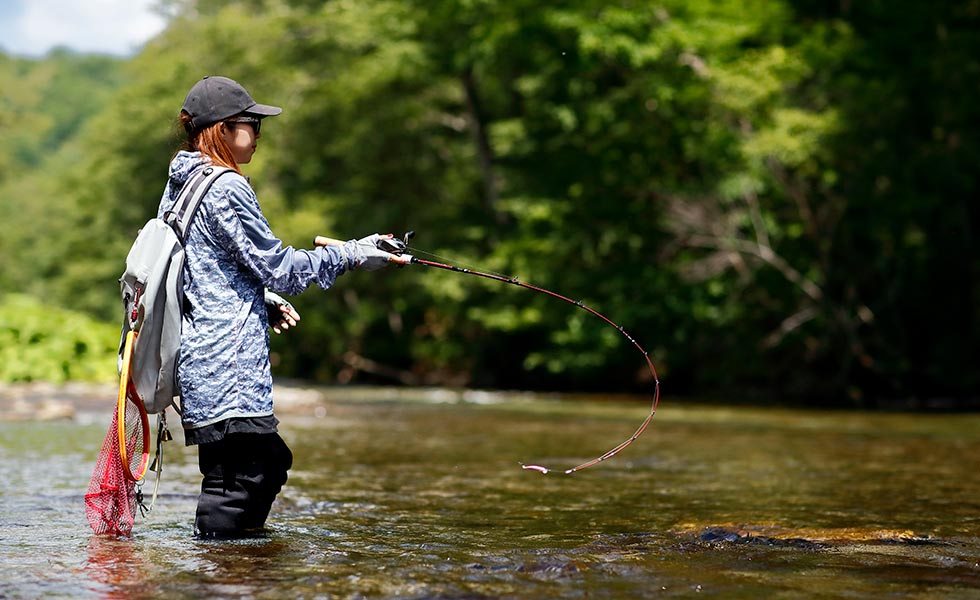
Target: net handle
[{"x": 127, "y": 393}]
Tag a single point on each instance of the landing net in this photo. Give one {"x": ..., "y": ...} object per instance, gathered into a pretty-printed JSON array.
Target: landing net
[{"x": 110, "y": 502}]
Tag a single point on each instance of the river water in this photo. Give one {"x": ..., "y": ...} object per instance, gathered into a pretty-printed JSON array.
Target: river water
[{"x": 422, "y": 499}]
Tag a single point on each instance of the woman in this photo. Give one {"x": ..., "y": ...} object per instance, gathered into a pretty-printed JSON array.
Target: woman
[{"x": 231, "y": 257}]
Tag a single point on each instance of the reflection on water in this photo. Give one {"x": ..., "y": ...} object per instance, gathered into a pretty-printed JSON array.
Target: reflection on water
[{"x": 416, "y": 500}]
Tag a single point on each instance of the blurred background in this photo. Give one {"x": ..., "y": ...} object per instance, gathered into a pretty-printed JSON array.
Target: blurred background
[{"x": 777, "y": 199}]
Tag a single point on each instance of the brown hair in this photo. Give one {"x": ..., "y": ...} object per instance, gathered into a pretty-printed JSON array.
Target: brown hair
[{"x": 210, "y": 142}]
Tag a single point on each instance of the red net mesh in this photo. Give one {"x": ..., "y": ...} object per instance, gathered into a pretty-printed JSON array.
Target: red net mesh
[{"x": 110, "y": 502}]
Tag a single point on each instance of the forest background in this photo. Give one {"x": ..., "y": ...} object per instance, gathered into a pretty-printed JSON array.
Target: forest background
[{"x": 777, "y": 198}]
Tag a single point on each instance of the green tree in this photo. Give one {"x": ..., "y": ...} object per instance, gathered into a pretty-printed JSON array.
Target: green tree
[{"x": 770, "y": 196}]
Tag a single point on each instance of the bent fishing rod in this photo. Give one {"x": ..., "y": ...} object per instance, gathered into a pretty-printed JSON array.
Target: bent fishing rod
[{"x": 398, "y": 249}]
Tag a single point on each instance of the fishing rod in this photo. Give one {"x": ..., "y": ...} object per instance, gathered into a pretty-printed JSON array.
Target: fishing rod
[{"x": 398, "y": 249}]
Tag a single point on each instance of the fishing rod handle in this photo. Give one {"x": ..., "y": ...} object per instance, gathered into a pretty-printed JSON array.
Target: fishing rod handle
[
  {"x": 401, "y": 259},
  {"x": 321, "y": 240}
]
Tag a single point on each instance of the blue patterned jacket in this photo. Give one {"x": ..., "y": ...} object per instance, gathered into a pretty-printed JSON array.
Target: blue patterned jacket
[{"x": 231, "y": 255}]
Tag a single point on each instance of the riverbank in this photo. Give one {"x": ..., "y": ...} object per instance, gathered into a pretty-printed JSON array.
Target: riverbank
[{"x": 44, "y": 401}]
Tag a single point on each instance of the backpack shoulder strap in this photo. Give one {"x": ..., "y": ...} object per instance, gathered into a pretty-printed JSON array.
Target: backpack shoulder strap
[{"x": 191, "y": 194}]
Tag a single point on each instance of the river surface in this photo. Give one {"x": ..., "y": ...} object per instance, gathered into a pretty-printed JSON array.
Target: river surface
[{"x": 423, "y": 499}]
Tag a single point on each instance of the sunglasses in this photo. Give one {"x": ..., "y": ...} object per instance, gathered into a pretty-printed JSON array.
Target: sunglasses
[{"x": 255, "y": 123}]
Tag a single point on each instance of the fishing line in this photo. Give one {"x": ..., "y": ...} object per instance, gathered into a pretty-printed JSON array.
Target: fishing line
[
  {"x": 399, "y": 248},
  {"x": 413, "y": 251}
]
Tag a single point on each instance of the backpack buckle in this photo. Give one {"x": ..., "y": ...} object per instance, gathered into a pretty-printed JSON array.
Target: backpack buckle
[{"x": 136, "y": 303}]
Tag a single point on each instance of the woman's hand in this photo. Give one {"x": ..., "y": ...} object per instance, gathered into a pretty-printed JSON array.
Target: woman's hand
[
  {"x": 282, "y": 314},
  {"x": 289, "y": 318}
]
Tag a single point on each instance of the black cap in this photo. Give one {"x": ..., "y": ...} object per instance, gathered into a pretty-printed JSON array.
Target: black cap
[{"x": 214, "y": 99}]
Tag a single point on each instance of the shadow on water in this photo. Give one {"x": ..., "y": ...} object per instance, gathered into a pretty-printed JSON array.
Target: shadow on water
[{"x": 422, "y": 500}]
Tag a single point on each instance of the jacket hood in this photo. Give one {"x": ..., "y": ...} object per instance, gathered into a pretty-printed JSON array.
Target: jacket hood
[{"x": 183, "y": 164}]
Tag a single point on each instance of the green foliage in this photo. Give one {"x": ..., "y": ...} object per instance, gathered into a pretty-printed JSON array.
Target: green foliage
[
  {"x": 42, "y": 103},
  {"x": 770, "y": 196},
  {"x": 39, "y": 342},
  {"x": 44, "y": 106}
]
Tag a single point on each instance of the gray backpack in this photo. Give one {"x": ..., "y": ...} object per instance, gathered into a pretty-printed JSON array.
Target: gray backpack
[{"x": 153, "y": 294}]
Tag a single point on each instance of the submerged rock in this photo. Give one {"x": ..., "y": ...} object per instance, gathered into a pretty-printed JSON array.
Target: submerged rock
[{"x": 813, "y": 538}]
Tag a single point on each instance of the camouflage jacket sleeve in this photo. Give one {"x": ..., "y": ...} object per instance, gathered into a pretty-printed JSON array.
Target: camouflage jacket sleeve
[{"x": 238, "y": 224}]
